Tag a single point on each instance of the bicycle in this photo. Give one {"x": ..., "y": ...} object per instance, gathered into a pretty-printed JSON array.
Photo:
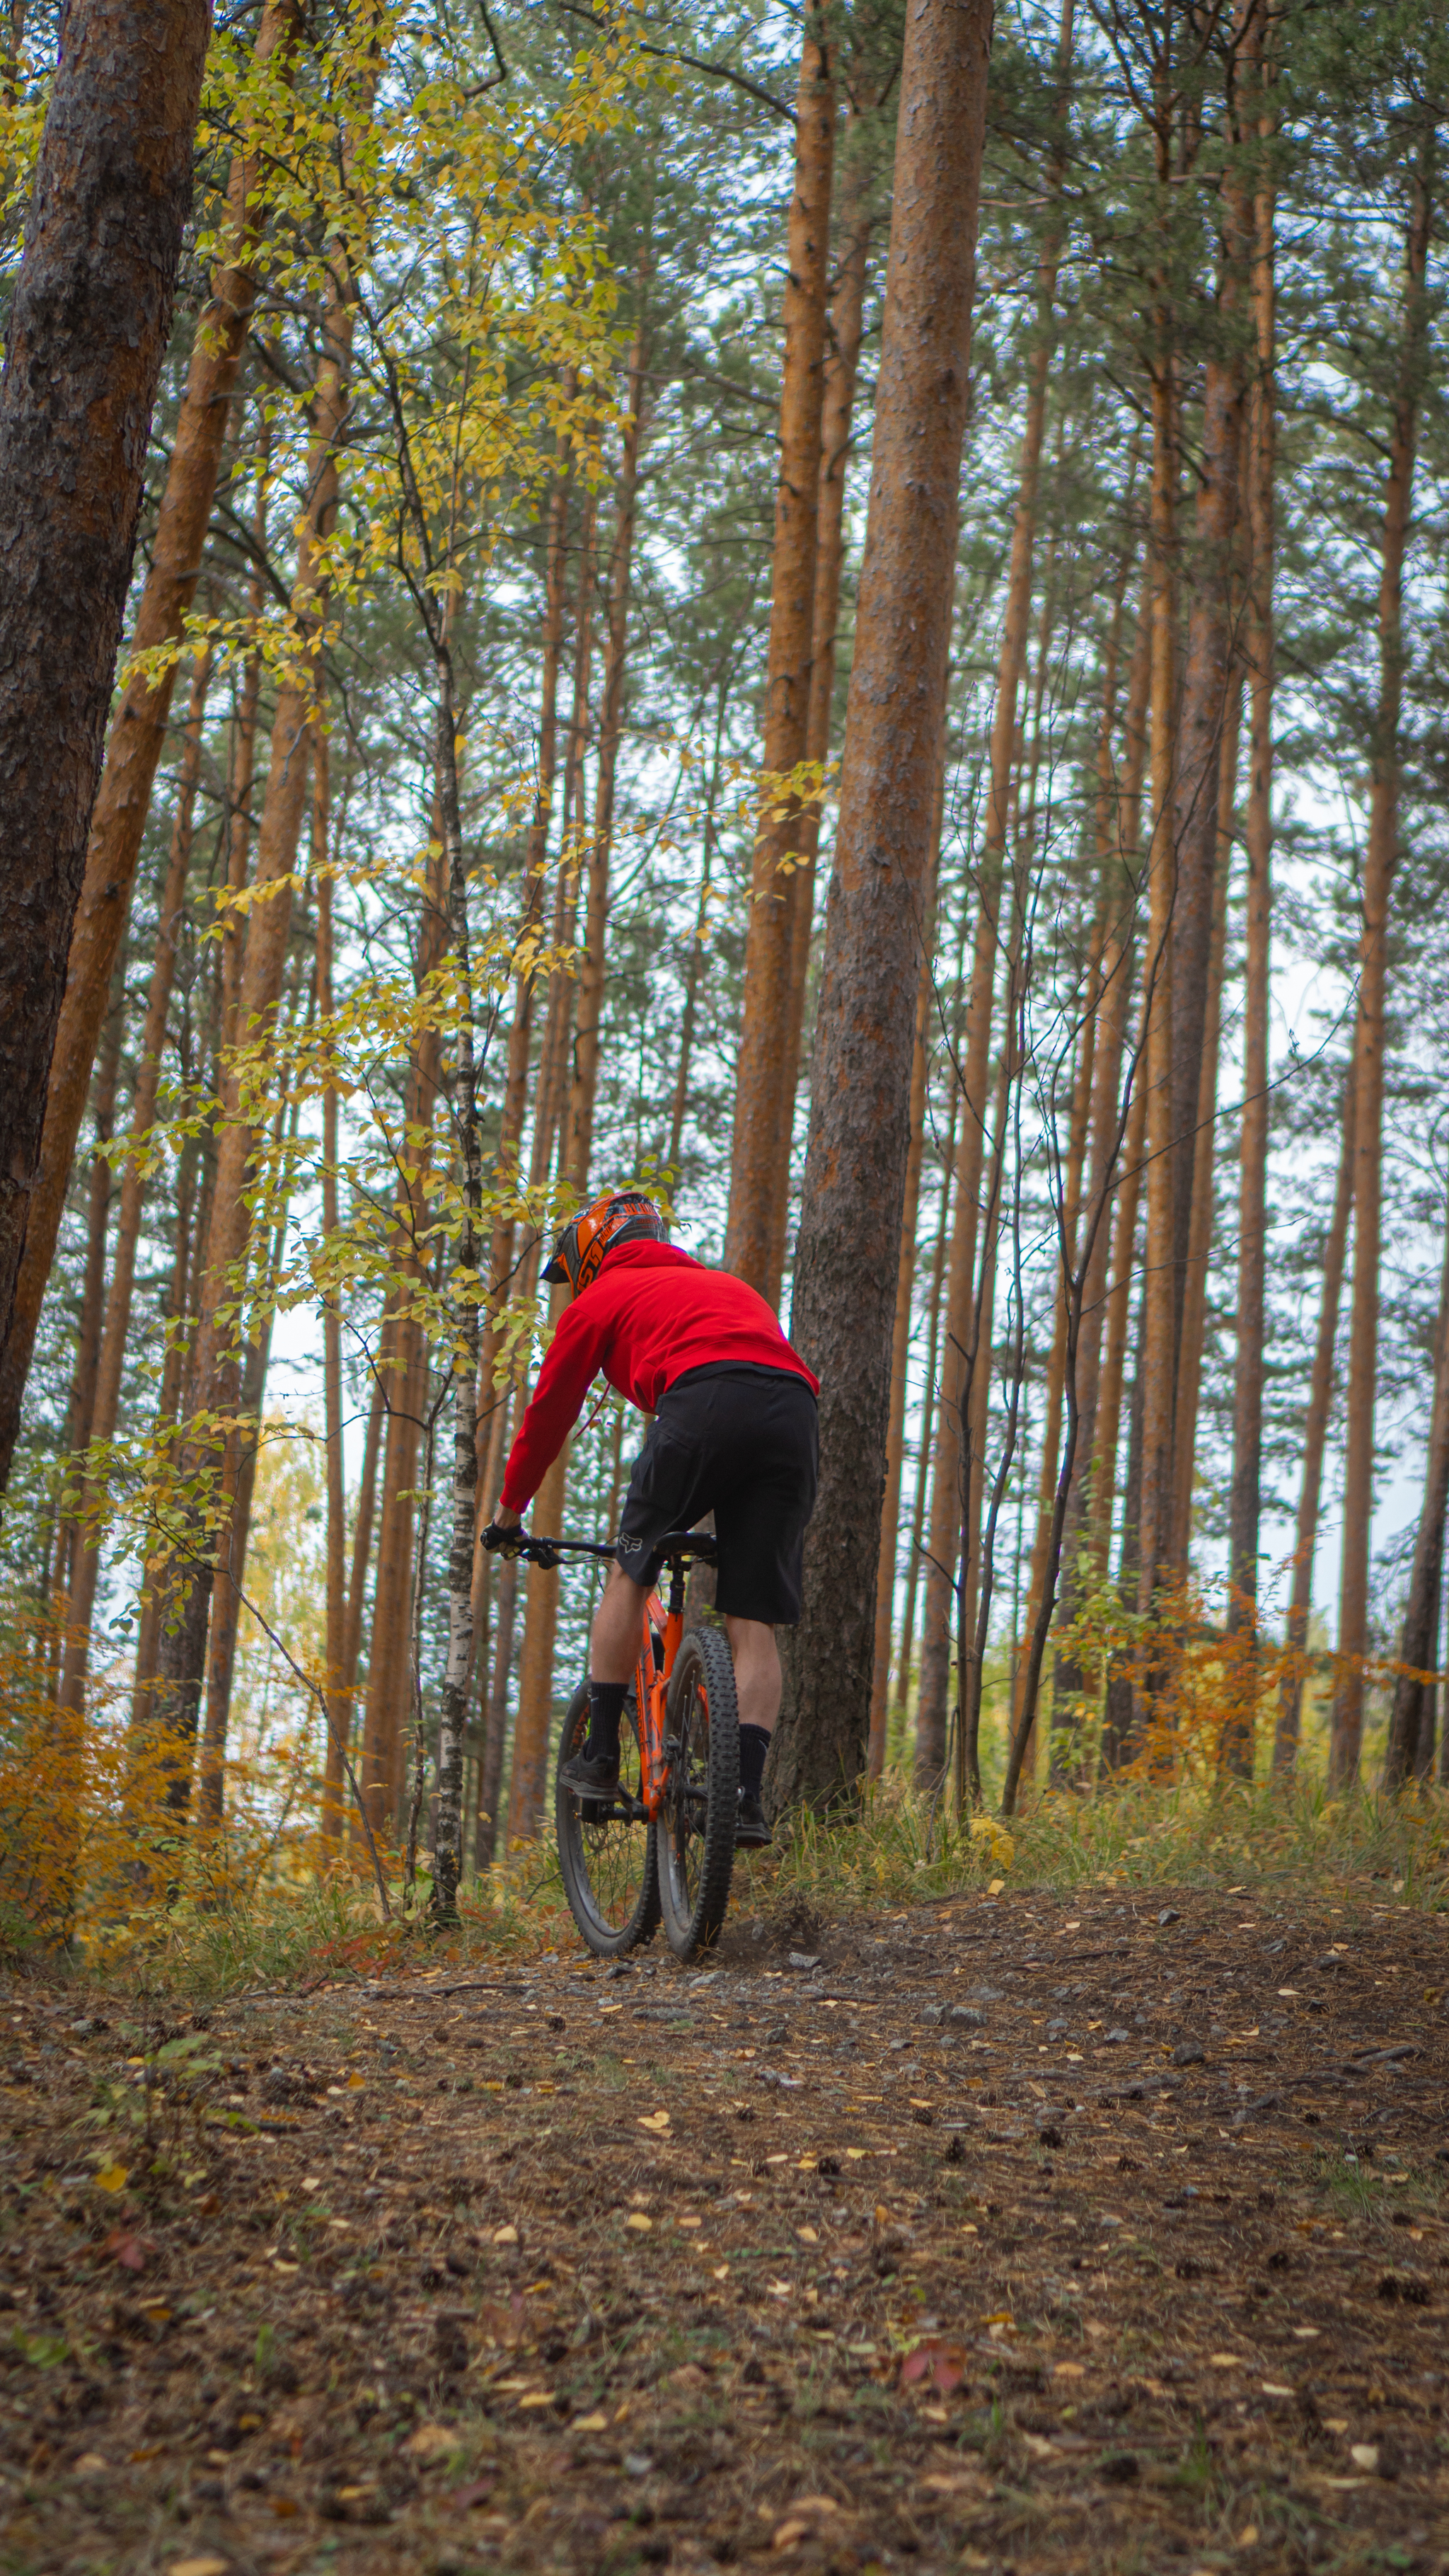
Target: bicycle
[{"x": 663, "y": 1849}]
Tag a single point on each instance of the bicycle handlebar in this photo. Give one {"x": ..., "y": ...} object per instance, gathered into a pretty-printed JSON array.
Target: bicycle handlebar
[{"x": 550, "y": 1552}]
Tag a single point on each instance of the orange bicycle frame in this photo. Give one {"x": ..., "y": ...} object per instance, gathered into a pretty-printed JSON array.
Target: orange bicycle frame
[{"x": 651, "y": 1685}]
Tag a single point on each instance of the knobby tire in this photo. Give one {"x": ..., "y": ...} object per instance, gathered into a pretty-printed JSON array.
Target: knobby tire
[{"x": 696, "y": 1835}]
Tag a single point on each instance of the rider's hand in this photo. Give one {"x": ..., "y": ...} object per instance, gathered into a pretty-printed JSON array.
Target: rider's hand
[{"x": 501, "y": 1536}]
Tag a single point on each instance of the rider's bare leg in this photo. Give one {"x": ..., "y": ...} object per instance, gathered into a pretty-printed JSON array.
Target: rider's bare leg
[
  {"x": 758, "y": 1679},
  {"x": 618, "y": 1624}
]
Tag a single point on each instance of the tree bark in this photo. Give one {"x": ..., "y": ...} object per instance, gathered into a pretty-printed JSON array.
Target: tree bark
[
  {"x": 1411, "y": 1723},
  {"x": 923, "y": 1458},
  {"x": 842, "y": 366},
  {"x": 945, "y": 1532},
  {"x": 215, "y": 1360},
  {"x": 1368, "y": 1081},
  {"x": 116, "y": 1328},
  {"x": 762, "y": 1074},
  {"x": 1200, "y": 1230},
  {"x": 468, "y": 1154},
  {"x": 1117, "y": 821},
  {"x": 1245, "y": 1501},
  {"x": 1315, "y": 1441},
  {"x": 848, "y": 1250},
  {"x": 338, "y": 1696},
  {"x": 1157, "y": 1370},
  {"x": 578, "y": 1150},
  {"x": 116, "y": 170},
  {"x": 535, "y": 1680},
  {"x": 885, "y": 1588}
]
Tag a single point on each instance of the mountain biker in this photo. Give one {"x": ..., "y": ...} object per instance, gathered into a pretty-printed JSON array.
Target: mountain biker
[{"x": 734, "y": 1432}]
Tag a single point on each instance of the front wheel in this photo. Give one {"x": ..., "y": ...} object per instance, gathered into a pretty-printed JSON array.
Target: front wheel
[
  {"x": 701, "y": 1811},
  {"x": 607, "y": 1853}
]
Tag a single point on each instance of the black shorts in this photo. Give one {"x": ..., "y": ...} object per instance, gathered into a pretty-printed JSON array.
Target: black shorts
[{"x": 743, "y": 1443}]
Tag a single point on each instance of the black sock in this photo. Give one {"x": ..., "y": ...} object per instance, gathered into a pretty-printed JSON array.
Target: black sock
[
  {"x": 754, "y": 1746},
  {"x": 606, "y": 1707}
]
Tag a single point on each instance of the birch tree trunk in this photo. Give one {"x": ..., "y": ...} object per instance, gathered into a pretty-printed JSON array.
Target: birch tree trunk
[{"x": 458, "y": 1670}]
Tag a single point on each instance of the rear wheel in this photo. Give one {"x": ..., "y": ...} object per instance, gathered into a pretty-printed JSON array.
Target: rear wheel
[
  {"x": 607, "y": 1853},
  {"x": 698, "y": 1820}
]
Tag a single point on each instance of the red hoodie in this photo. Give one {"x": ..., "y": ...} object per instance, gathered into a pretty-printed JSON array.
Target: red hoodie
[{"x": 652, "y": 1313}]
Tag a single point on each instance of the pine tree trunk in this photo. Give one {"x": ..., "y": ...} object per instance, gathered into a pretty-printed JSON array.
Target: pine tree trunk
[
  {"x": 1118, "y": 816},
  {"x": 923, "y": 1456},
  {"x": 848, "y": 1250},
  {"x": 215, "y": 1366},
  {"x": 1378, "y": 875},
  {"x": 1157, "y": 1370},
  {"x": 842, "y": 366},
  {"x": 1411, "y": 1724},
  {"x": 241, "y": 776},
  {"x": 1211, "y": 696},
  {"x": 763, "y": 1075},
  {"x": 1066, "y": 1315},
  {"x": 1200, "y": 1230},
  {"x": 148, "y": 1630},
  {"x": 115, "y": 1331},
  {"x": 1245, "y": 1501},
  {"x": 80, "y": 1413},
  {"x": 118, "y": 171},
  {"x": 945, "y": 1533},
  {"x": 578, "y": 1152},
  {"x": 1315, "y": 1441},
  {"x": 239, "y": 1476},
  {"x": 885, "y": 1590}
]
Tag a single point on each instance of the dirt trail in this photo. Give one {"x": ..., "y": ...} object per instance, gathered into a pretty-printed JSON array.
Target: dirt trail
[{"x": 995, "y": 2234}]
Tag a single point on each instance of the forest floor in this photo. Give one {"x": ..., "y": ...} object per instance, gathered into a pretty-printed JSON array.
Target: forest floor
[{"x": 996, "y": 2234}]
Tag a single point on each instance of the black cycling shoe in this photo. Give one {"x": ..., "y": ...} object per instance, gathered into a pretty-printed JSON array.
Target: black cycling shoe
[
  {"x": 752, "y": 1831},
  {"x": 593, "y": 1776}
]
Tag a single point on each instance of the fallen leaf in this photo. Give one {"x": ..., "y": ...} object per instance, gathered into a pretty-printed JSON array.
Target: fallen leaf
[
  {"x": 91, "y": 2465},
  {"x": 1274, "y": 2388},
  {"x": 537, "y": 2397},
  {"x": 1364, "y": 2455},
  {"x": 1068, "y": 2370},
  {"x": 595, "y": 2423},
  {"x": 1039, "y": 2447},
  {"x": 1248, "y": 2536},
  {"x": 355, "y": 2083},
  {"x": 1226, "y": 2360},
  {"x": 934, "y": 2363},
  {"x": 477, "y": 2491},
  {"x": 431, "y": 2442},
  {"x": 131, "y": 2252},
  {"x": 808, "y": 2235},
  {"x": 637, "y": 2220},
  {"x": 198, "y": 2567},
  {"x": 656, "y": 2120},
  {"x": 112, "y": 2178},
  {"x": 505, "y": 2236}
]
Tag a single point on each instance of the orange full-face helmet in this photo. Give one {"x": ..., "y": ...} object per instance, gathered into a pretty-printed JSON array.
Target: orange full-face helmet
[{"x": 620, "y": 1216}]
